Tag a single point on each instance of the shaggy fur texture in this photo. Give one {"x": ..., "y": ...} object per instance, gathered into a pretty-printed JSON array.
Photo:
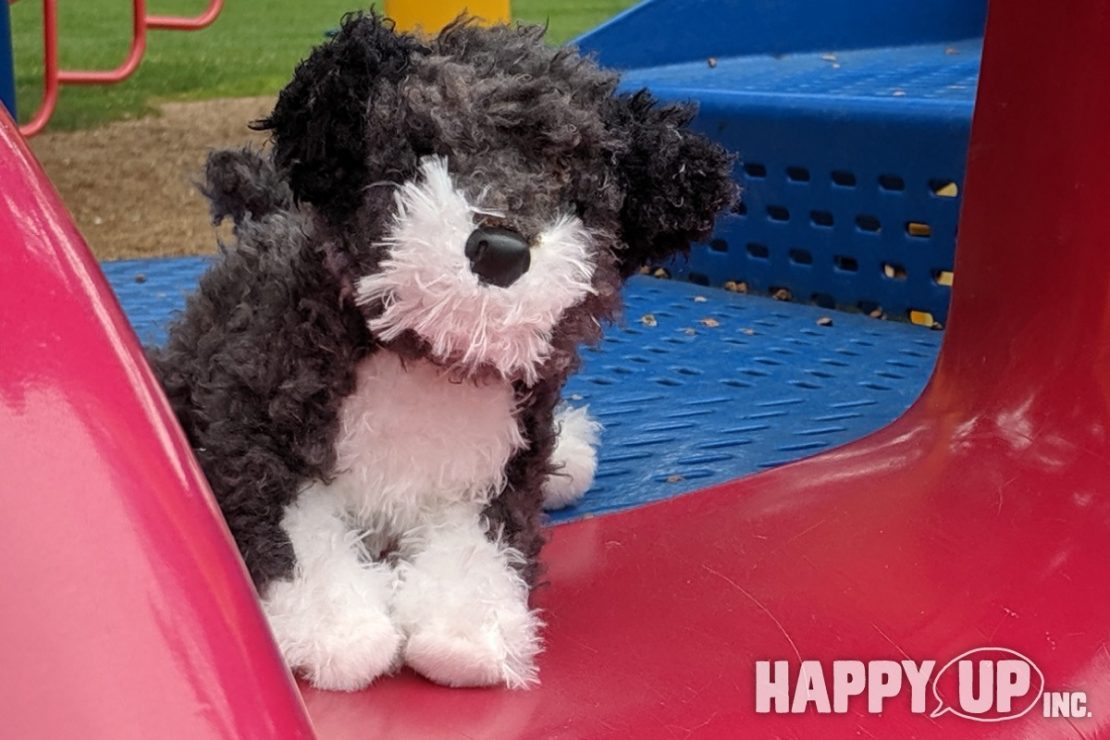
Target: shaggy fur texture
[
  {"x": 378, "y": 425},
  {"x": 574, "y": 460}
]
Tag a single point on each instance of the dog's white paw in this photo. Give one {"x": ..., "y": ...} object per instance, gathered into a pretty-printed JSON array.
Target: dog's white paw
[
  {"x": 503, "y": 652},
  {"x": 334, "y": 647},
  {"x": 463, "y": 606},
  {"x": 453, "y": 661},
  {"x": 574, "y": 458}
]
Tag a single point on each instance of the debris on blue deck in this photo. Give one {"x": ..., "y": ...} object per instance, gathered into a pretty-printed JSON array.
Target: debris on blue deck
[{"x": 696, "y": 386}]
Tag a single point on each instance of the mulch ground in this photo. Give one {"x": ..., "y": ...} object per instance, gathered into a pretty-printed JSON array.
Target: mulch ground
[{"x": 130, "y": 184}]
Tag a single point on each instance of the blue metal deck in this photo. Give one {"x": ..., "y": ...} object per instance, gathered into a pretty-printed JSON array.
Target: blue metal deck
[{"x": 697, "y": 386}]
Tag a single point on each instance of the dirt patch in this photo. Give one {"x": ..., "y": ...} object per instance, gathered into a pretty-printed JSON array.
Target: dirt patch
[{"x": 129, "y": 185}]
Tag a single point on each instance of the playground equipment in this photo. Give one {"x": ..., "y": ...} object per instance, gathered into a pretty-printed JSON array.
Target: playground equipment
[
  {"x": 54, "y": 78},
  {"x": 135, "y": 615},
  {"x": 978, "y": 518},
  {"x": 852, "y": 119},
  {"x": 429, "y": 16}
]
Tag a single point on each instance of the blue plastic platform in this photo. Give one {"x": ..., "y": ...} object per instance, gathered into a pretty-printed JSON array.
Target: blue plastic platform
[
  {"x": 847, "y": 157},
  {"x": 851, "y": 119},
  {"x": 941, "y": 75},
  {"x": 698, "y": 386}
]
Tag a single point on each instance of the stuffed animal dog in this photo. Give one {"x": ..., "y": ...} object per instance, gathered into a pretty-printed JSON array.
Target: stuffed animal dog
[{"x": 370, "y": 375}]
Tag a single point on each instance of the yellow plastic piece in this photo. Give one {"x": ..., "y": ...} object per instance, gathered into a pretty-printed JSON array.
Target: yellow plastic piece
[{"x": 429, "y": 16}]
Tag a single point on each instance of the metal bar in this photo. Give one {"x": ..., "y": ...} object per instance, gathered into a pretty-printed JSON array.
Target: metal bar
[
  {"x": 173, "y": 23},
  {"x": 50, "y": 74},
  {"x": 130, "y": 64},
  {"x": 140, "y": 22}
]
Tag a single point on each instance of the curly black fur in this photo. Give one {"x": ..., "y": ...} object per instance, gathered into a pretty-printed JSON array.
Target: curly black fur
[
  {"x": 256, "y": 369},
  {"x": 319, "y": 122},
  {"x": 242, "y": 184},
  {"x": 676, "y": 180},
  {"x": 264, "y": 355}
]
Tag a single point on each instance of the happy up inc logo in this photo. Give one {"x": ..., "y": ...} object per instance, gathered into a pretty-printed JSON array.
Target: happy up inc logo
[{"x": 988, "y": 684}]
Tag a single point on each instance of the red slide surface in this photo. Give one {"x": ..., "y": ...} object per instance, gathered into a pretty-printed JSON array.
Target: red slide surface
[{"x": 126, "y": 611}]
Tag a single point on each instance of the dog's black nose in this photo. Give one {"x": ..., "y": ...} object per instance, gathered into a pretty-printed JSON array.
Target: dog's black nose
[{"x": 498, "y": 256}]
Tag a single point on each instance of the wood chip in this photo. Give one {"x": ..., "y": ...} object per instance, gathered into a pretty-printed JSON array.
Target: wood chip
[
  {"x": 749, "y": 332},
  {"x": 711, "y": 323},
  {"x": 877, "y": 314},
  {"x": 735, "y": 287},
  {"x": 648, "y": 320},
  {"x": 949, "y": 190},
  {"x": 645, "y": 270},
  {"x": 661, "y": 274},
  {"x": 688, "y": 331},
  {"x": 824, "y": 321},
  {"x": 951, "y": 51},
  {"x": 700, "y": 299},
  {"x": 712, "y": 62},
  {"x": 675, "y": 479},
  {"x": 921, "y": 318},
  {"x": 109, "y": 174},
  {"x": 782, "y": 294}
]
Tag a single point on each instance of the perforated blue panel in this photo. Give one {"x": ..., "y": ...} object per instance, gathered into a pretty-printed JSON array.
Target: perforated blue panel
[
  {"x": 697, "y": 387},
  {"x": 852, "y": 162},
  {"x": 724, "y": 385}
]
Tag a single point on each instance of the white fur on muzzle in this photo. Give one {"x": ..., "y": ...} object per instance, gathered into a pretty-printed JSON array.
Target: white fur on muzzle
[{"x": 425, "y": 284}]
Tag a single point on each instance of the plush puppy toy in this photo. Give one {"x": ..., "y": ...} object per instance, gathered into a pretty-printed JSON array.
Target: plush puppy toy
[{"x": 370, "y": 374}]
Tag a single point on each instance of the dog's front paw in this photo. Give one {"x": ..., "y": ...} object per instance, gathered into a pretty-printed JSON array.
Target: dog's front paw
[
  {"x": 501, "y": 652},
  {"x": 574, "y": 459},
  {"x": 334, "y": 647},
  {"x": 463, "y": 605}
]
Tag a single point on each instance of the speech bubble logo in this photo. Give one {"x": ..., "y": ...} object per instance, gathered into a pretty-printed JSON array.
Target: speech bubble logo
[{"x": 988, "y": 684}]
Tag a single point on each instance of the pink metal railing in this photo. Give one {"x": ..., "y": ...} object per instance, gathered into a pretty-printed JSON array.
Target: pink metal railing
[{"x": 53, "y": 77}]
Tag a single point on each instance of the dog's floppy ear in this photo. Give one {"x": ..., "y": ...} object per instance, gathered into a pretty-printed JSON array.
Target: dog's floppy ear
[
  {"x": 319, "y": 122},
  {"x": 676, "y": 181}
]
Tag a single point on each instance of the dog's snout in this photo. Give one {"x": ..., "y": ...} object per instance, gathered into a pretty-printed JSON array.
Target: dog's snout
[{"x": 498, "y": 256}]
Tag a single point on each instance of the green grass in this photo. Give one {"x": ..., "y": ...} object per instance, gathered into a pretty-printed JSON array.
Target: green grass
[
  {"x": 567, "y": 18},
  {"x": 251, "y": 49}
]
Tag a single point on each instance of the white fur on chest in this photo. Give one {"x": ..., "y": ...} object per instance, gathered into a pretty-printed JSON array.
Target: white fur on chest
[{"x": 412, "y": 440}]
